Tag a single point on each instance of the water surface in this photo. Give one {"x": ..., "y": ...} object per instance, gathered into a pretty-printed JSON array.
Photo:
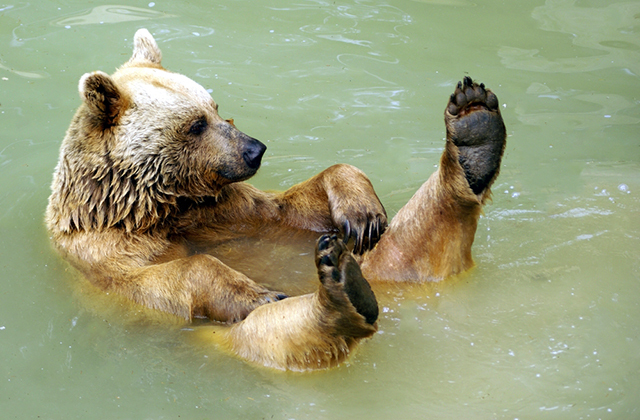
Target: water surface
[{"x": 545, "y": 327}]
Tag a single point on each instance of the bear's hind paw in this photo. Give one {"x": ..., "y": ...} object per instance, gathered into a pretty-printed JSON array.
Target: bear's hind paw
[
  {"x": 342, "y": 279},
  {"x": 469, "y": 95},
  {"x": 475, "y": 126}
]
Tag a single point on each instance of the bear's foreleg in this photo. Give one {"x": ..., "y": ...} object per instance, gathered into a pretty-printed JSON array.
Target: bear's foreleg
[
  {"x": 196, "y": 286},
  {"x": 339, "y": 198},
  {"x": 431, "y": 236}
]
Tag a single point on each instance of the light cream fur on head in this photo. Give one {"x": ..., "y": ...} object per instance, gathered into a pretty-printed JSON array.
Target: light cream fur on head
[
  {"x": 129, "y": 152},
  {"x": 145, "y": 48}
]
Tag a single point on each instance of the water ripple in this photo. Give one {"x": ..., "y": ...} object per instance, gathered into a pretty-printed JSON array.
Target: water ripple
[
  {"x": 109, "y": 14},
  {"x": 614, "y": 41},
  {"x": 582, "y": 212}
]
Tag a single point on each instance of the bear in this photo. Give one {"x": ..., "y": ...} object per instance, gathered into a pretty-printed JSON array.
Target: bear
[{"x": 149, "y": 175}]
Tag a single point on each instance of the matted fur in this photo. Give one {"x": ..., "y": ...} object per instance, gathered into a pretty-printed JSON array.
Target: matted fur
[{"x": 149, "y": 173}]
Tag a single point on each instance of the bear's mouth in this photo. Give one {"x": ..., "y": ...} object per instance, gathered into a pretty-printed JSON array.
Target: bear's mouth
[
  {"x": 230, "y": 175},
  {"x": 244, "y": 163}
]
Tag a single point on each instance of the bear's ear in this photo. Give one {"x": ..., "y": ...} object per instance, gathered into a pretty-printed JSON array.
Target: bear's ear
[
  {"x": 145, "y": 49},
  {"x": 105, "y": 101}
]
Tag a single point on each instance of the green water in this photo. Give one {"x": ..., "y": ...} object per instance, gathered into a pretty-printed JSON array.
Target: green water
[{"x": 547, "y": 326}]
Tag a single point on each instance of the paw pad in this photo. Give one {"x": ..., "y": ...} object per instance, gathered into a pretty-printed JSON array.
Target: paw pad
[{"x": 475, "y": 126}]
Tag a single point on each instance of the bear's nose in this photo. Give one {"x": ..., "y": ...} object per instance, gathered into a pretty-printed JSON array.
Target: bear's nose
[{"x": 253, "y": 152}]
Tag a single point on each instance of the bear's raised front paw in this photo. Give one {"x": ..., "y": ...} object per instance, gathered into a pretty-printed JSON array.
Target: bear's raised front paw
[
  {"x": 342, "y": 279},
  {"x": 475, "y": 126},
  {"x": 365, "y": 230},
  {"x": 356, "y": 210}
]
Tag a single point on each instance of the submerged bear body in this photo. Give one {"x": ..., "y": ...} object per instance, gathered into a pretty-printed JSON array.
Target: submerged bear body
[{"x": 149, "y": 201}]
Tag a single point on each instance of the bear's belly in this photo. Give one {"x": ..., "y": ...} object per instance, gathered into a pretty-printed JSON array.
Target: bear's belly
[{"x": 282, "y": 260}]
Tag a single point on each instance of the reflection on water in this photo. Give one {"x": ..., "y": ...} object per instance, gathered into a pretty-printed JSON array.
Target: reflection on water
[
  {"x": 608, "y": 36},
  {"x": 608, "y": 109},
  {"x": 109, "y": 14},
  {"x": 545, "y": 326},
  {"x": 26, "y": 74}
]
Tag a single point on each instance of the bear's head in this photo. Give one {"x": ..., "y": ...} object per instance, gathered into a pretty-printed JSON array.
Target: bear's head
[{"x": 142, "y": 139}]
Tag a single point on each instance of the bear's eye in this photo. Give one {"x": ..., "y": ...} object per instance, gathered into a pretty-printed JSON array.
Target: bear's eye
[{"x": 198, "y": 127}]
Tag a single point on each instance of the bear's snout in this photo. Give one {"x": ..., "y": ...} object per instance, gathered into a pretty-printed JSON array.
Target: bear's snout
[{"x": 253, "y": 152}]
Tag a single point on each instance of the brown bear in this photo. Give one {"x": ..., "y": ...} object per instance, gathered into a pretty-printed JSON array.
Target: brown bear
[{"x": 149, "y": 175}]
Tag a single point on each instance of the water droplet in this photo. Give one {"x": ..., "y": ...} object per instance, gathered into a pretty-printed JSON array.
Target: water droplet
[{"x": 624, "y": 188}]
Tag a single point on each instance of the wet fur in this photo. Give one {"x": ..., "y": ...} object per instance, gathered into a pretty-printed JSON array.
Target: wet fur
[{"x": 149, "y": 175}]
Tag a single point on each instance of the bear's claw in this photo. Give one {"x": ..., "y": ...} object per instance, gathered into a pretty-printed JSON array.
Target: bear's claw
[
  {"x": 468, "y": 95},
  {"x": 367, "y": 234},
  {"x": 274, "y": 297}
]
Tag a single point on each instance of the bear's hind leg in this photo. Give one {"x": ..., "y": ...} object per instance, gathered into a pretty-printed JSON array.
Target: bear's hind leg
[
  {"x": 313, "y": 331},
  {"x": 431, "y": 236}
]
